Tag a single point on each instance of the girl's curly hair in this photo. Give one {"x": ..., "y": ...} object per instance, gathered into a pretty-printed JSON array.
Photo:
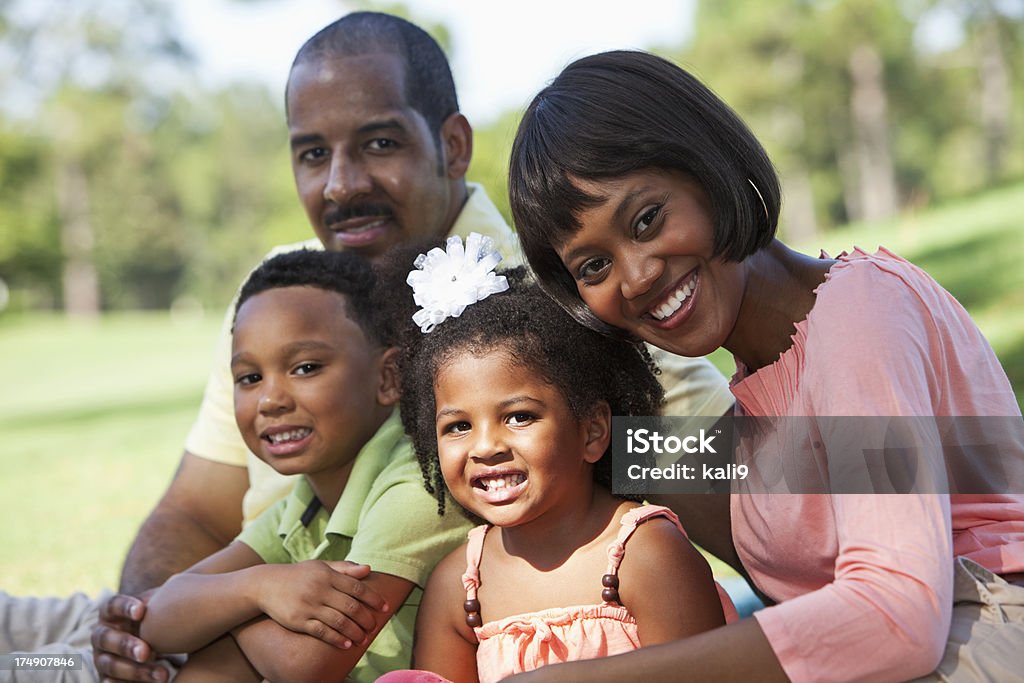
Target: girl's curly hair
[{"x": 585, "y": 366}]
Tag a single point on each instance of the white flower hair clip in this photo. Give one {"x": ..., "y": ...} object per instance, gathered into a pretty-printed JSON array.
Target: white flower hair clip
[{"x": 447, "y": 280}]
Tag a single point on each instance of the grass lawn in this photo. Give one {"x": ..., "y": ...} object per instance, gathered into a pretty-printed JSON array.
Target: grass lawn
[{"x": 94, "y": 415}]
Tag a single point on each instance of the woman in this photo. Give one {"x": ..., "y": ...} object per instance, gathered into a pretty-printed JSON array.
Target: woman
[{"x": 646, "y": 207}]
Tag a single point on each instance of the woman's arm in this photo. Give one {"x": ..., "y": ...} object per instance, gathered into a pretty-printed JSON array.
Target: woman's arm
[
  {"x": 444, "y": 643},
  {"x": 666, "y": 584},
  {"x": 739, "y": 652}
]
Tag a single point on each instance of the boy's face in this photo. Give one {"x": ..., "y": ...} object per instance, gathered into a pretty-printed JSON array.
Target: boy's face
[
  {"x": 309, "y": 387},
  {"x": 369, "y": 171}
]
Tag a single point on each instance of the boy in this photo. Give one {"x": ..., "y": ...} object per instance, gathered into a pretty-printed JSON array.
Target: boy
[{"x": 315, "y": 393}]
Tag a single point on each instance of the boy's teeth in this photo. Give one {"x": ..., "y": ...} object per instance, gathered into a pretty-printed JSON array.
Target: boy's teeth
[
  {"x": 291, "y": 435},
  {"x": 675, "y": 301}
]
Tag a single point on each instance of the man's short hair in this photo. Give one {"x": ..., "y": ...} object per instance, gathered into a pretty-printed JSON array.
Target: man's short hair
[{"x": 429, "y": 87}]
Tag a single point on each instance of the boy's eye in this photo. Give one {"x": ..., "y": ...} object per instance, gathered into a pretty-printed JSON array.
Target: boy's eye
[
  {"x": 313, "y": 154},
  {"x": 307, "y": 368},
  {"x": 592, "y": 270},
  {"x": 247, "y": 379},
  {"x": 645, "y": 221},
  {"x": 519, "y": 419}
]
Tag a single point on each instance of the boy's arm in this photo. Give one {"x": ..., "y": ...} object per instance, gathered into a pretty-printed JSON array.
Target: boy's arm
[
  {"x": 233, "y": 586},
  {"x": 667, "y": 585},
  {"x": 280, "y": 654},
  {"x": 194, "y": 608},
  {"x": 444, "y": 643}
]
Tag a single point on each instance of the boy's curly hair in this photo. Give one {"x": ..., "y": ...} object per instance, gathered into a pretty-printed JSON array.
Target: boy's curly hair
[
  {"x": 585, "y": 366},
  {"x": 342, "y": 272}
]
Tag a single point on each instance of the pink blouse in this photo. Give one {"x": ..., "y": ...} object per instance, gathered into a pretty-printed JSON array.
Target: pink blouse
[
  {"x": 524, "y": 642},
  {"x": 864, "y": 582}
]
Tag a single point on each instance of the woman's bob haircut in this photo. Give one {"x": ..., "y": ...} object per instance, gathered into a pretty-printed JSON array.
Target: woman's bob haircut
[{"x": 615, "y": 113}]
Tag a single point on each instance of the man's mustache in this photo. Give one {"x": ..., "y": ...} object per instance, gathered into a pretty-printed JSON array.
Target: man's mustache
[{"x": 360, "y": 210}]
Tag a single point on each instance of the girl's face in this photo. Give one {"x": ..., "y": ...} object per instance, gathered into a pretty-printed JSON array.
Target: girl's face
[
  {"x": 642, "y": 262},
  {"x": 511, "y": 450}
]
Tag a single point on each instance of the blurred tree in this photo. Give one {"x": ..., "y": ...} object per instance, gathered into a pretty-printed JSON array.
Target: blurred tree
[
  {"x": 81, "y": 69},
  {"x": 131, "y": 186}
]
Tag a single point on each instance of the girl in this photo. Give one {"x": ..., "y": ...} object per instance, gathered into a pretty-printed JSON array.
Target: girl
[
  {"x": 648, "y": 209},
  {"x": 509, "y": 408}
]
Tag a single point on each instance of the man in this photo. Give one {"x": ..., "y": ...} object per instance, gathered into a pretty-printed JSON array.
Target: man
[{"x": 379, "y": 152}]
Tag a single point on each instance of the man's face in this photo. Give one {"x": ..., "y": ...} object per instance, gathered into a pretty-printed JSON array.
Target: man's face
[{"x": 369, "y": 172}]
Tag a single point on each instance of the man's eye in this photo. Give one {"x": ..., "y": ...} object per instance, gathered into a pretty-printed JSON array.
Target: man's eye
[
  {"x": 592, "y": 269},
  {"x": 382, "y": 144},
  {"x": 646, "y": 221}
]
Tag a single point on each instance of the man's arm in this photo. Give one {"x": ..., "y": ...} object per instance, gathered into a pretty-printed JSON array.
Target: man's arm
[{"x": 199, "y": 514}]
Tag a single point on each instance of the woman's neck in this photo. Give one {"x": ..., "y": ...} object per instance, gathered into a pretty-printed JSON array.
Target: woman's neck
[{"x": 779, "y": 293}]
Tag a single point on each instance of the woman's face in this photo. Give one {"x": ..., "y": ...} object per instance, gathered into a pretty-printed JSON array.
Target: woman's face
[{"x": 642, "y": 261}]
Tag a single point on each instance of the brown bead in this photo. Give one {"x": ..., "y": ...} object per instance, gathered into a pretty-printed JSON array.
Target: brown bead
[
  {"x": 610, "y": 595},
  {"x": 610, "y": 581},
  {"x": 471, "y": 605},
  {"x": 473, "y": 619}
]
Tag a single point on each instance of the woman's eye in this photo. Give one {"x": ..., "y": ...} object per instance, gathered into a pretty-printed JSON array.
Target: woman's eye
[
  {"x": 518, "y": 419},
  {"x": 646, "y": 221},
  {"x": 307, "y": 368},
  {"x": 592, "y": 269}
]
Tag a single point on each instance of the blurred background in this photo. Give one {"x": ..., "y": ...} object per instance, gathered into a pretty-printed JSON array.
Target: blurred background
[{"x": 144, "y": 169}]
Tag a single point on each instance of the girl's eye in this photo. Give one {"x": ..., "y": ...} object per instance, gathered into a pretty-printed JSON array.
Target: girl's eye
[
  {"x": 592, "y": 270},
  {"x": 519, "y": 419},
  {"x": 246, "y": 380},
  {"x": 307, "y": 368},
  {"x": 456, "y": 427},
  {"x": 645, "y": 221}
]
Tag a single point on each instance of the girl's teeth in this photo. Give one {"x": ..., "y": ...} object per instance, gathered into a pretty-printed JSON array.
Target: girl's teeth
[{"x": 502, "y": 482}]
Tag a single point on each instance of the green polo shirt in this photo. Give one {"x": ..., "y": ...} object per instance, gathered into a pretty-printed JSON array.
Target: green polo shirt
[{"x": 384, "y": 518}]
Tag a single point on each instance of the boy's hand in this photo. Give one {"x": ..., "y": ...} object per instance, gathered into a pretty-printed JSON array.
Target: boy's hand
[
  {"x": 118, "y": 652},
  {"x": 327, "y": 600}
]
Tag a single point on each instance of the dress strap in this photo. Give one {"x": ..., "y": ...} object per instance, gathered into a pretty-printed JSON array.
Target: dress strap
[
  {"x": 471, "y": 579},
  {"x": 617, "y": 549}
]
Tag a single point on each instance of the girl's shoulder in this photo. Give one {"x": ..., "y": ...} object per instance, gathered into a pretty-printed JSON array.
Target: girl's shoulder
[
  {"x": 451, "y": 566},
  {"x": 647, "y": 534}
]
